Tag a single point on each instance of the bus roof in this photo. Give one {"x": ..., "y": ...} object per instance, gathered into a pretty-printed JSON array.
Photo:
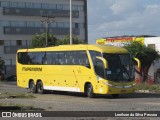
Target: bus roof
[{"x": 96, "y": 47}]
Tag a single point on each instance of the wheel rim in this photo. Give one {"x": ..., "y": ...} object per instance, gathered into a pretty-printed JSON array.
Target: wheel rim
[
  {"x": 40, "y": 87},
  {"x": 32, "y": 86},
  {"x": 89, "y": 91}
]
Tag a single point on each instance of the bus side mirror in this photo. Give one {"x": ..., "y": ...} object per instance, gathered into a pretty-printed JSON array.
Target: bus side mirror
[
  {"x": 100, "y": 66},
  {"x": 105, "y": 62},
  {"x": 138, "y": 63}
]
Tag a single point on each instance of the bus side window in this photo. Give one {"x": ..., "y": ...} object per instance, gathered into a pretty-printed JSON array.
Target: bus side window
[
  {"x": 30, "y": 58},
  {"x": 73, "y": 58},
  {"x": 35, "y": 58},
  {"x": 94, "y": 54},
  {"x": 54, "y": 58},
  {"x": 39, "y": 57},
  {"x": 59, "y": 58},
  {"x": 82, "y": 58},
  {"x": 44, "y": 58},
  {"x": 23, "y": 57},
  {"x": 49, "y": 58},
  {"x": 62, "y": 58},
  {"x": 68, "y": 58}
]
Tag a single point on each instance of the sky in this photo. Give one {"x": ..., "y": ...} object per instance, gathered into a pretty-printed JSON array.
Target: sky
[{"x": 108, "y": 18}]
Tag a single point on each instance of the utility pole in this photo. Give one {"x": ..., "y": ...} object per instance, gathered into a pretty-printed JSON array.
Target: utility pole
[
  {"x": 71, "y": 41},
  {"x": 47, "y": 21}
]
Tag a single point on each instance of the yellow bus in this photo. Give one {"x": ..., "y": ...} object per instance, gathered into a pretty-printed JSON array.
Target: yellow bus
[{"x": 90, "y": 69}]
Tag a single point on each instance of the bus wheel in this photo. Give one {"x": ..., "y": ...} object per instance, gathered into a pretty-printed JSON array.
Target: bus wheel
[
  {"x": 40, "y": 89},
  {"x": 115, "y": 95},
  {"x": 32, "y": 87},
  {"x": 89, "y": 91}
]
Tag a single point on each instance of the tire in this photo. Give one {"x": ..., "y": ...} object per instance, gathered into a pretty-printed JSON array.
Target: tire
[
  {"x": 32, "y": 87},
  {"x": 115, "y": 95},
  {"x": 89, "y": 91},
  {"x": 40, "y": 89}
]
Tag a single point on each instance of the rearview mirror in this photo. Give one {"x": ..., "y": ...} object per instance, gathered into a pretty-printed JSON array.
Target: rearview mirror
[
  {"x": 105, "y": 62},
  {"x": 138, "y": 63}
]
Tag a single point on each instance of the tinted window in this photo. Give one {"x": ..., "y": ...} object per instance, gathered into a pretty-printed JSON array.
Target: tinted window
[
  {"x": 50, "y": 58},
  {"x": 54, "y": 58},
  {"x": 94, "y": 54},
  {"x": 23, "y": 58},
  {"x": 31, "y": 58},
  {"x": 82, "y": 58},
  {"x": 71, "y": 58}
]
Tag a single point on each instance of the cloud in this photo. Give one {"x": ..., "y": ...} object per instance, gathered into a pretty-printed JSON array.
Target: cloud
[
  {"x": 124, "y": 17},
  {"x": 152, "y": 9},
  {"x": 99, "y": 10},
  {"x": 125, "y": 6}
]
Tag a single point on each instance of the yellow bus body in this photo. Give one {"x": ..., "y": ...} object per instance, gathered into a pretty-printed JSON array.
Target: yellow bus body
[{"x": 71, "y": 78}]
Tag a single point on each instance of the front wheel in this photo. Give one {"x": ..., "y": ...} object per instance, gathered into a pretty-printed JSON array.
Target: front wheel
[
  {"x": 40, "y": 89},
  {"x": 89, "y": 91}
]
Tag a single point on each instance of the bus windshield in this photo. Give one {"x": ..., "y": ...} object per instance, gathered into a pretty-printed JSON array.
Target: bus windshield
[{"x": 120, "y": 67}]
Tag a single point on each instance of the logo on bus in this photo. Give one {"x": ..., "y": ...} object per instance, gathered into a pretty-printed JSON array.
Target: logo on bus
[{"x": 31, "y": 69}]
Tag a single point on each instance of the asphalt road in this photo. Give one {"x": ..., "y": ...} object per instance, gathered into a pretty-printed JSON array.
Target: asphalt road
[{"x": 66, "y": 101}]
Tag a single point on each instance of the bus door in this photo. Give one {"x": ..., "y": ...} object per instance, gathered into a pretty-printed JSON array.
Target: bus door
[
  {"x": 68, "y": 73},
  {"x": 52, "y": 70},
  {"x": 82, "y": 69}
]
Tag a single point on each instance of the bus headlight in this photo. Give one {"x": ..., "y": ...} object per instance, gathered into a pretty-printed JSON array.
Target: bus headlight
[{"x": 109, "y": 84}]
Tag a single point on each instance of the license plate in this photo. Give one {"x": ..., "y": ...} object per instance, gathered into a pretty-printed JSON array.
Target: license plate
[{"x": 123, "y": 90}]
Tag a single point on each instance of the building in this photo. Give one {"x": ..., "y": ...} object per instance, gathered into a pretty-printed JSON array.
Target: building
[
  {"x": 21, "y": 19},
  {"x": 153, "y": 42},
  {"x": 154, "y": 71}
]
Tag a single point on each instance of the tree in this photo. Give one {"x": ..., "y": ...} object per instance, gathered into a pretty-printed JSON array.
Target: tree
[
  {"x": 145, "y": 54},
  {"x": 66, "y": 40},
  {"x": 39, "y": 40}
]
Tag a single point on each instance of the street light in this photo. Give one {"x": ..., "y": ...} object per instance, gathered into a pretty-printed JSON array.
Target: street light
[
  {"x": 71, "y": 22},
  {"x": 47, "y": 21}
]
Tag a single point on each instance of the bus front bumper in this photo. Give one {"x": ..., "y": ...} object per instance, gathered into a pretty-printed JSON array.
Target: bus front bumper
[{"x": 116, "y": 89}]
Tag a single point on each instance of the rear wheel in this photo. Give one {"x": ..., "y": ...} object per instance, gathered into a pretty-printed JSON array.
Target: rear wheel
[
  {"x": 89, "y": 91},
  {"x": 40, "y": 89},
  {"x": 32, "y": 87}
]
